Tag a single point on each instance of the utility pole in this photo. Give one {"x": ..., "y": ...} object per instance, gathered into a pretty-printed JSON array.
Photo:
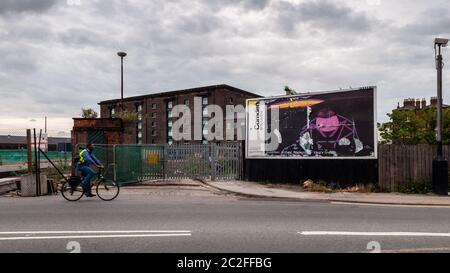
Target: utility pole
[
  {"x": 440, "y": 164},
  {"x": 121, "y": 55}
]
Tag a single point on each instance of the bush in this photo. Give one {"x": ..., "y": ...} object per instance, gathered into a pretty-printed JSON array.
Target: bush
[
  {"x": 416, "y": 187},
  {"x": 128, "y": 117}
]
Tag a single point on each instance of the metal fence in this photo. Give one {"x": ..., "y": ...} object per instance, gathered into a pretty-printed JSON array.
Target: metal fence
[{"x": 138, "y": 163}]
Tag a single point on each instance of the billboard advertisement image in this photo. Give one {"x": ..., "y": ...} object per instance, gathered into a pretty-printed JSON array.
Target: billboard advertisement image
[{"x": 324, "y": 125}]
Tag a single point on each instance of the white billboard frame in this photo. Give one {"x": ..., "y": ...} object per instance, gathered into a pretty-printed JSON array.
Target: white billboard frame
[{"x": 375, "y": 122}]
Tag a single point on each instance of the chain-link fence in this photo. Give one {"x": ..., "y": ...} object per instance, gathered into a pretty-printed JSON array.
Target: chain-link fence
[{"x": 138, "y": 163}]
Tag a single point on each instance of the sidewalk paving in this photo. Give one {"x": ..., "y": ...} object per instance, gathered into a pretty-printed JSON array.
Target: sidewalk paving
[{"x": 254, "y": 189}]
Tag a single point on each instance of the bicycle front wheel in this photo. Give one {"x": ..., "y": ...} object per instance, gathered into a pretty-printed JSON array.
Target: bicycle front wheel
[
  {"x": 70, "y": 193},
  {"x": 107, "y": 190}
]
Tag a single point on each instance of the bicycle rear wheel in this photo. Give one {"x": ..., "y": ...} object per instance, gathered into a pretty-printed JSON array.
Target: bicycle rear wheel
[
  {"x": 107, "y": 190},
  {"x": 70, "y": 193}
]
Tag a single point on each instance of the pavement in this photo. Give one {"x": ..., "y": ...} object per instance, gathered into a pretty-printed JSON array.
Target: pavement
[
  {"x": 198, "y": 219},
  {"x": 258, "y": 190}
]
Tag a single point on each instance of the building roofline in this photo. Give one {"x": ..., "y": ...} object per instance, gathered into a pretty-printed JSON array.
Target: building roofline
[
  {"x": 176, "y": 92},
  {"x": 426, "y": 107},
  {"x": 96, "y": 119}
]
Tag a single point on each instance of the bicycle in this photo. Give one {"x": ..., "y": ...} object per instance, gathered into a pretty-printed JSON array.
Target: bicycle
[{"x": 107, "y": 190}]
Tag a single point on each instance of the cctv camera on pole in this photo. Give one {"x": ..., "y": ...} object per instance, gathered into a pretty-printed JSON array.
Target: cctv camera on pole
[{"x": 440, "y": 164}]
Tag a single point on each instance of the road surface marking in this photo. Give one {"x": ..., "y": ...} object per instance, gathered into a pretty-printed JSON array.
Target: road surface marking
[
  {"x": 94, "y": 236},
  {"x": 387, "y": 205},
  {"x": 415, "y": 250},
  {"x": 93, "y": 232},
  {"x": 350, "y": 233}
]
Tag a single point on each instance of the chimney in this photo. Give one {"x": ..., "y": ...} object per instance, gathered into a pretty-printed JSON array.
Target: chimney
[
  {"x": 417, "y": 104},
  {"x": 433, "y": 101},
  {"x": 424, "y": 103},
  {"x": 409, "y": 103}
]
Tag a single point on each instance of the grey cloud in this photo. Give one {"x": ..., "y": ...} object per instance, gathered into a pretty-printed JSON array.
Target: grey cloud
[
  {"x": 429, "y": 24},
  {"x": 253, "y": 4},
  {"x": 17, "y": 6},
  {"x": 198, "y": 24},
  {"x": 321, "y": 14},
  {"x": 17, "y": 59},
  {"x": 246, "y": 4},
  {"x": 66, "y": 57},
  {"x": 79, "y": 37}
]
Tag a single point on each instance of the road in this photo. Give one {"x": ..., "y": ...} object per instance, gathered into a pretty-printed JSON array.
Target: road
[{"x": 196, "y": 219}]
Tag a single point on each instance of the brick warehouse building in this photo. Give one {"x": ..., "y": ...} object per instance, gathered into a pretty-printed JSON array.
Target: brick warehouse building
[{"x": 154, "y": 125}]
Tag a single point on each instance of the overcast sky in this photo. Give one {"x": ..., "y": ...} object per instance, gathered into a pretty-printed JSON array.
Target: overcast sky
[{"x": 58, "y": 56}]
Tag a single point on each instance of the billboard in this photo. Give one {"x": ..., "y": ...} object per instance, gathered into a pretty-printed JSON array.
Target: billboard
[{"x": 323, "y": 125}]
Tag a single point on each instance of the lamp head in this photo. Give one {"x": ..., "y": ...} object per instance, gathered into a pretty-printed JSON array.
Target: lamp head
[
  {"x": 441, "y": 42},
  {"x": 122, "y": 54}
]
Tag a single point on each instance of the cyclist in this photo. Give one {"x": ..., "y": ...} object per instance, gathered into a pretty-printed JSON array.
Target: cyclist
[{"x": 86, "y": 160}]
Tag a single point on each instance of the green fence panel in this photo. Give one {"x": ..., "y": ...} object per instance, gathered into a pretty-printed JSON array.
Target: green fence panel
[
  {"x": 20, "y": 156},
  {"x": 129, "y": 164}
]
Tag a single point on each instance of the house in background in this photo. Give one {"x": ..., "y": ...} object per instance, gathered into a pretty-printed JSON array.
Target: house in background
[{"x": 419, "y": 104}]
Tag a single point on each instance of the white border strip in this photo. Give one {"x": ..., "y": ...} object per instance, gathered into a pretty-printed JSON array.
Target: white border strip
[
  {"x": 94, "y": 236},
  {"x": 94, "y": 232},
  {"x": 387, "y": 205},
  {"x": 351, "y": 233}
]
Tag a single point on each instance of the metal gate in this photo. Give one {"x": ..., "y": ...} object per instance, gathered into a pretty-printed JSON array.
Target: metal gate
[{"x": 138, "y": 163}]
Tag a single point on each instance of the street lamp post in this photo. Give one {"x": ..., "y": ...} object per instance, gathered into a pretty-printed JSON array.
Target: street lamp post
[
  {"x": 440, "y": 164},
  {"x": 121, "y": 55}
]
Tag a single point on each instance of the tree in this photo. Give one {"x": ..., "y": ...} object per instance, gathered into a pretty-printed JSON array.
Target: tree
[
  {"x": 409, "y": 127},
  {"x": 88, "y": 113},
  {"x": 128, "y": 117}
]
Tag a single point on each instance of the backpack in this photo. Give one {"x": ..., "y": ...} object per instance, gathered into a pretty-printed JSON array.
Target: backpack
[{"x": 76, "y": 159}]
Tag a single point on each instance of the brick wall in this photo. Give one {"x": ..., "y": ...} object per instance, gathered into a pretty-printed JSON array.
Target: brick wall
[{"x": 219, "y": 95}]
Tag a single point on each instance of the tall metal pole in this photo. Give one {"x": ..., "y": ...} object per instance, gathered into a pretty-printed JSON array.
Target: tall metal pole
[
  {"x": 36, "y": 161},
  {"x": 121, "y": 81},
  {"x": 29, "y": 154},
  {"x": 439, "y": 102},
  {"x": 121, "y": 55},
  {"x": 440, "y": 164}
]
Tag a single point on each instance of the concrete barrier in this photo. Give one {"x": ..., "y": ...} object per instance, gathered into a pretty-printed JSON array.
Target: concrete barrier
[
  {"x": 8, "y": 184},
  {"x": 28, "y": 185}
]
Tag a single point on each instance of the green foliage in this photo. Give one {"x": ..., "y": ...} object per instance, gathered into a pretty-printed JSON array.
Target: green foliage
[
  {"x": 416, "y": 187},
  {"x": 88, "y": 113},
  {"x": 128, "y": 117},
  {"x": 409, "y": 128}
]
